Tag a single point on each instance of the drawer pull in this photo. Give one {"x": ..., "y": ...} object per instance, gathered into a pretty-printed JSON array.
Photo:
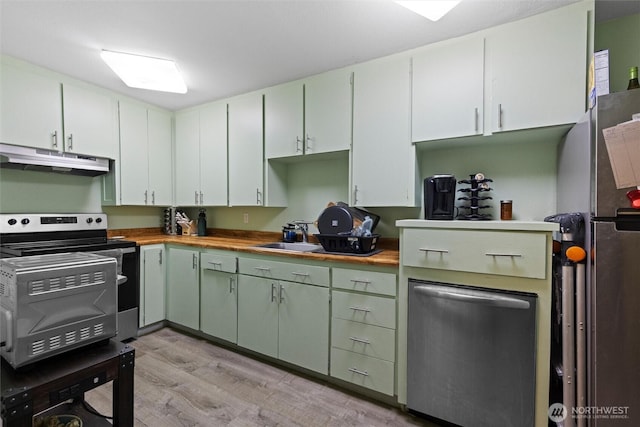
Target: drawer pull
[
  {"x": 359, "y": 372},
  {"x": 507, "y": 255},
  {"x": 440, "y": 251},
  {"x": 365, "y": 309},
  {"x": 364, "y": 282},
  {"x": 362, "y": 340},
  {"x": 262, "y": 268},
  {"x": 215, "y": 265},
  {"x": 300, "y": 274}
]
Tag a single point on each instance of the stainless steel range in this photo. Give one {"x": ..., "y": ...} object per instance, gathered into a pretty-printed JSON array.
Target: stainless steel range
[{"x": 33, "y": 235}]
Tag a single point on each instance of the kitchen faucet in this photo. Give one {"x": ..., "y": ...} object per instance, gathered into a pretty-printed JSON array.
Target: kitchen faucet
[{"x": 304, "y": 227}]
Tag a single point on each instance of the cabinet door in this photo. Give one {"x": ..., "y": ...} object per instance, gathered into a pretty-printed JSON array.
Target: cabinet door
[
  {"x": 183, "y": 296},
  {"x": 153, "y": 284},
  {"x": 245, "y": 150},
  {"x": 258, "y": 314},
  {"x": 134, "y": 161},
  {"x": 448, "y": 90},
  {"x": 304, "y": 326},
  {"x": 160, "y": 159},
  {"x": 213, "y": 154},
  {"x": 538, "y": 70},
  {"x": 187, "y": 161},
  {"x": 283, "y": 120},
  {"x": 90, "y": 122},
  {"x": 219, "y": 304},
  {"x": 328, "y": 112},
  {"x": 30, "y": 109},
  {"x": 381, "y": 135}
]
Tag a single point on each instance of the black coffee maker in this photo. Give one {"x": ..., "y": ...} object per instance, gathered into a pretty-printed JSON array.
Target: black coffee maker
[{"x": 439, "y": 197}]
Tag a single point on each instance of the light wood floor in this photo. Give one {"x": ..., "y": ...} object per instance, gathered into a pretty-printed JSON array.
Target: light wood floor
[{"x": 182, "y": 380}]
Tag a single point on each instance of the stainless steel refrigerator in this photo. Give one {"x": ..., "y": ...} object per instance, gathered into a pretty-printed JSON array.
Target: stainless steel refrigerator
[{"x": 586, "y": 184}]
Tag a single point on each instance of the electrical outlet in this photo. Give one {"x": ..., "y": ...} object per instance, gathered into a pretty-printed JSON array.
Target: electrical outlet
[{"x": 245, "y": 218}]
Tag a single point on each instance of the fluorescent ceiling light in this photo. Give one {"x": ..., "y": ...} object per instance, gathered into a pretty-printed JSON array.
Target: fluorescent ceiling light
[
  {"x": 430, "y": 9},
  {"x": 144, "y": 72}
]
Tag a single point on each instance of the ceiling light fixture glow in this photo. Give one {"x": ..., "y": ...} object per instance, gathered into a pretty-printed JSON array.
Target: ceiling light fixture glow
[
  {"x": 145, "y": 72},
  {"x": 430, "y": 9}
]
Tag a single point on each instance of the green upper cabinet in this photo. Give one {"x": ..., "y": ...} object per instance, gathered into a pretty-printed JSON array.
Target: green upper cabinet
[
  {"x": 246, "y": 150},
  {"x": 284, "y": 120},
  {"x": 90, "y": 121},
  {"x": 308, "y": 116},
  {"x": 381, "y": 134},
  {"x": 145, "y": 155},
  {"x": 448, "y": 89},
  {"x": 327, "y": 113},
  {"x": 201, "y": 156},
  {"x": 536, "y": 72},
  {"x": 30, "y": 108}
]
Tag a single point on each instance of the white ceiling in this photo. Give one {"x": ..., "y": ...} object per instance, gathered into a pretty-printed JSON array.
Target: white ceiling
[{"x": 226, "y": 48}]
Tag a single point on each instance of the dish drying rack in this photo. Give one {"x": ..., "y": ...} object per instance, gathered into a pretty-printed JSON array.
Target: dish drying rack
[{"x": 479, "y": 184}]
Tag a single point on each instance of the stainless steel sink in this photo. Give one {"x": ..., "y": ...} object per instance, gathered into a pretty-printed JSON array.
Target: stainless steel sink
[{"x": 293, "y": 247}]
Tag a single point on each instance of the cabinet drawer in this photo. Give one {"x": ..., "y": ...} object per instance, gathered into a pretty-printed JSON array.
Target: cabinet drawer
[
  {"x": 365, "y": 281},
  {"x": 308, "y": 274},
  {"x": 508, "y": 253},
  {"x": 368, "y": 340},
  {"x": 368, "y": 309},
  {"x": 369, "y": 372},
  {"x": 218, "y": 262}
]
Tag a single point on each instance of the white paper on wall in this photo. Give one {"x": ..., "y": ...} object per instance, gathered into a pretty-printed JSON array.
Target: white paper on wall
[{"x": 623, "y": 147}]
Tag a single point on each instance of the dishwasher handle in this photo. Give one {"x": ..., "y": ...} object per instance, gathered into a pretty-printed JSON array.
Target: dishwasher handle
[{"x": 467, "y": 295}]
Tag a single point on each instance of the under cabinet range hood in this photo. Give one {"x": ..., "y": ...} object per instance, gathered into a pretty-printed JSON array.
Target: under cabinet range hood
[{"x": 39, "y": 159}]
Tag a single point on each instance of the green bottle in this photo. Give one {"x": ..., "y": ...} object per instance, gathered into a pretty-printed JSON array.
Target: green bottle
[{"x": 633, "y": 78}]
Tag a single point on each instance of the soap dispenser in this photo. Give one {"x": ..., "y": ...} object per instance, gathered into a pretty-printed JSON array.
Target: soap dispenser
[{"x": 202, "y": 223}]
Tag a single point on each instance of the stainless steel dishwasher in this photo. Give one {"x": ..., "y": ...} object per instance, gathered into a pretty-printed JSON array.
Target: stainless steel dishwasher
[{"x": 471, "y": 354}]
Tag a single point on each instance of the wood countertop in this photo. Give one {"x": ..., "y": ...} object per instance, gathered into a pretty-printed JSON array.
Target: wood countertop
[{"x": 245, "y": 241}]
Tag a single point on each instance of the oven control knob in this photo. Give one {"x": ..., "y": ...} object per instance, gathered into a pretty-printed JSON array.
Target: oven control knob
[
  {"x": 24, "y": 221},
  {"x": 12, "y": 221},
  {"x": 98, "y": 220},
  {"x": 89, "y": 220}
]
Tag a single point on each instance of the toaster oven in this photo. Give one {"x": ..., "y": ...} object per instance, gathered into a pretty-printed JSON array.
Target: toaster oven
[{"x": 53, "y": 303}]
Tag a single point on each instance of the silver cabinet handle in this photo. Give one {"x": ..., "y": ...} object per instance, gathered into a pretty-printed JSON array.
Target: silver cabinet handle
[
  {"x": 308, "y": 145},
  {"x": 355, "y": 194},
  {"x": 195, "y": 261},
  {"x": 364, "y": 282},
  {"x": 145, "y": 196},
  {"x": 273, "y": 292},
  {"x": 365, "y": 309},
  {"x": 361, "y": 340},
  {"x": 54, "y": 139},
  {"x": 262, "y": 269},
  {"x": 160, "y": 257},
  {"x": 471, "y": 296},
  {"x": 440, "y": 251},
  {"x": 298, "y": 146},
  {"x": 231, "y": 286},
  {"x": 201, "y": 198},
  {"x": 504, "y": 255},
  {"x": 499, "y": 116},
  {"x": 359, "y": 372},
  {"x": 258, "y": 197},
  {"x": 70, "y": 140},
  {"x": 196, "y": 197},
  {"x": 153, "y": 197},
  {"x": 281, "y": 296},
  {"x": 294, "y": 273},
  {"x": 214, "y": 264},
  {"x": 475, "y": 117}
]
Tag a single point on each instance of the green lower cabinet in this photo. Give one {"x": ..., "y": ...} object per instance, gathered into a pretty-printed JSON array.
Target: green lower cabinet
[
  {"x": 152, "y": 284},
  {"x": 219, "y": 304},
  {"x": 258, "y": 314},
  {"x": 304, "y": 326},
  {"x": 183, "y": 290},
  {"x": 370, "y": 372},
  {"x": 285, "y": 320}
]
